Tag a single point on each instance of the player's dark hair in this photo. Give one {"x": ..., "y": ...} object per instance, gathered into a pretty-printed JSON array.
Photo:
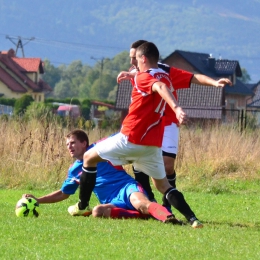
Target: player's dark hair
[
  {"x": 80, "y": 135},
  {"x": 137, "y": 43},
  {"x": 149, "y": 50}
]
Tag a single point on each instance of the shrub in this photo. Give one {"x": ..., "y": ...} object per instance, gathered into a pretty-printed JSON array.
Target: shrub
[{"x": 21, "y": 104}]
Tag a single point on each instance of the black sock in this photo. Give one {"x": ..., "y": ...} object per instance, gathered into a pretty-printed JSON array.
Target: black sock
[
  {"x": 144, "y": 180},
  {"x": 176, "y": 199},
  {"x": 86, "y": 185},
  {"x": 172, "y": 179}
]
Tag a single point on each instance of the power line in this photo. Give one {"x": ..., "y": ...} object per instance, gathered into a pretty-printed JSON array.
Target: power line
[{"x": 19, "y": 43}]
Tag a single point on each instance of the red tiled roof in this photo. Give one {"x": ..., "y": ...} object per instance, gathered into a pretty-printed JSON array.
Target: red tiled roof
[
  {"x": 29, "y": 64},
  {"x": 9, "y": 81}
]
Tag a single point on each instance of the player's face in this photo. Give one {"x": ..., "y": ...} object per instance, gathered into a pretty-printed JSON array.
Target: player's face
[
  {"x": 140, "y": 61},
  {"x": 132, "y": 56},
  {"x": 75, "y": 147}
]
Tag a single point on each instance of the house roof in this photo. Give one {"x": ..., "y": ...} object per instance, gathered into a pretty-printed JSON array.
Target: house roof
[
  {"x": 238, "y": 89},
  {"x": 207, "y": 65},
  {"x": 256, "y": 99},
  {"x": 12, "y": 73},
  {"x": 197, "y": 101},
  {"x": 29, "y": 64},
  {"x": 252, "y": 86},
  {"x": 123, "y": 95},
  {"x": 201, "y": 102},
  {"x": 99, "y": 103}
]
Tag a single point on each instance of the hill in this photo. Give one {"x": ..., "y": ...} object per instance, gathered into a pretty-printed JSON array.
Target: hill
[{"x": 81, "y": 29}]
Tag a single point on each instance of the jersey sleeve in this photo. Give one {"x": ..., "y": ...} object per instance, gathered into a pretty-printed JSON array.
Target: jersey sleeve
[
  {"x": 70, "y": 186},
  {"x": 144, "y": 82},
  {"x": 180, "y": 78}
]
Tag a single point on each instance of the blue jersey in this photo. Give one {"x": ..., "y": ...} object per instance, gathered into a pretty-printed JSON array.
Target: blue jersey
[{"x": 110, "y": 180}]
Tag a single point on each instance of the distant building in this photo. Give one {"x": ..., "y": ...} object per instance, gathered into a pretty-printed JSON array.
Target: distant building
[
  {"x": 69, "y": 110},
  {"x": 19, "y": 76}
]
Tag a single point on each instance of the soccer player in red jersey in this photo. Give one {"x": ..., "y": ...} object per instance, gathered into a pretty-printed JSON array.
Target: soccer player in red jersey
[
  {"x": 179, "y": 79},
  {"x": 140, "y": 139}
]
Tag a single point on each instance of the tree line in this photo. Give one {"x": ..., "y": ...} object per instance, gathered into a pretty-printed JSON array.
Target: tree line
[{"x": 85, "y": 82}]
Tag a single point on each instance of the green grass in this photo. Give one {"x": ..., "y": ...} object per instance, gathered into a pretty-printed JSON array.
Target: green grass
[{"x": 231, "y": 231}]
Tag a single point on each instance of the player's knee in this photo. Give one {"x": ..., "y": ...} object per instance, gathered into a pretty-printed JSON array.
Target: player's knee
[
  {"x": 143, "y": 207},
  {"x": 86, "y": 156},
  {"x": 98, "y": 211}
]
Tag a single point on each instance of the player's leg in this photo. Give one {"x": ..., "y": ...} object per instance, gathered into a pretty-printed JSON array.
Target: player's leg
[
  {"x": 170, "y": 149},
  {"x": 169, "y": 160},
  {"x": 111, "y": 211},
  {"x": 141, "y": 203},
  {"x": 87, "y": 184},
  {"x": 144, "y": 180},
  {"x": 176, "y": 199}
]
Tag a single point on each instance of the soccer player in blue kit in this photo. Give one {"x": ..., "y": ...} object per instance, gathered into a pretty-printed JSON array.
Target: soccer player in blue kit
[{"x": 119, "y": 194}]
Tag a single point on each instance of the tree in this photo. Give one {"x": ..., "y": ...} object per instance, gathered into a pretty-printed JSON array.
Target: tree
[
  {"x": 82, "y": 81},
  {"x": 51, "y": 74},
  {"x": 245, "y": 76}
]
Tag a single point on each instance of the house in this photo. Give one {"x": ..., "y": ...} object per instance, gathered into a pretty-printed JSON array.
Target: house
[
  {"x": 19, "y": 76},
  {"x": 69, "y": 110},
  {"x": 201, "y": 102},
  {"x": 253, "y": 104}
]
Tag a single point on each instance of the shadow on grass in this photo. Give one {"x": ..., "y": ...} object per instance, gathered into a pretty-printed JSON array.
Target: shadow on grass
[{"x": 255, "y": 225}]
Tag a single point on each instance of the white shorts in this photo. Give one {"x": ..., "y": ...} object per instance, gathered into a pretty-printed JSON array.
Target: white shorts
[
  {"x": 119, "y": 151},
  {"x": 170, "y": 141}
]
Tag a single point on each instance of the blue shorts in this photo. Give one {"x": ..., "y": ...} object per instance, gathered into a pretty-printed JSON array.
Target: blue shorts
[{"x": 122, "y": 200}]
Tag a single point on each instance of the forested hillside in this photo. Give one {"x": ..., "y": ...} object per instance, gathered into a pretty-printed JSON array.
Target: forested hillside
[{"x": 86, "y": 30}]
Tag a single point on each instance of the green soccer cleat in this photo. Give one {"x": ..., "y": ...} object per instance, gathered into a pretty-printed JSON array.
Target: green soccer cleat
[
  {"x": 75, "y": 211},
  {"x": 196, "y": 224}
]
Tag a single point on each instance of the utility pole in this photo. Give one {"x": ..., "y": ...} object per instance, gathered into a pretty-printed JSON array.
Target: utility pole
[
  {"x": 19, "y": 43},
  {"x": 101, "y": 62}
]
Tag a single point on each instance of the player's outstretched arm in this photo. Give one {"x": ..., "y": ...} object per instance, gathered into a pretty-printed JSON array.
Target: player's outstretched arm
[
  {"x": 123, "y": 75},
  {"x": 53, "y": 197},
  {"x": 207, "y": 81},
  {"x": 167, "y": 95}
]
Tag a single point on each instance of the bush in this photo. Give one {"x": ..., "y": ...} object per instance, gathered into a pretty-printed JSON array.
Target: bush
[
  {"x": 7, "y": 101},
  {"x": 21, "y": 104},
  {"x": 38, "y": 110}
]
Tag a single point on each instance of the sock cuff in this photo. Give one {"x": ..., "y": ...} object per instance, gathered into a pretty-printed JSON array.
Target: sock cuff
[
  {"x": 89, "y": 169},
  {"x": 166, "y": 194},
  {"x": 171, "y": 177}
]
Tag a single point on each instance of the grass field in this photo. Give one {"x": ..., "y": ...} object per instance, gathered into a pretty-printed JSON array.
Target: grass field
[
  {"x": 218, "y": 171},
  {"x": 231, "y": 231}
]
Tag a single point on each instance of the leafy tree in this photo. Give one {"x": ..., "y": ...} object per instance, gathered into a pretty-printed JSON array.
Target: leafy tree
[
  {"x": 51, "y": 74},
  {"x": 64, "y": 89},
  {"x": 82, "y": 81},
  {"x": 245, "y": 76}
]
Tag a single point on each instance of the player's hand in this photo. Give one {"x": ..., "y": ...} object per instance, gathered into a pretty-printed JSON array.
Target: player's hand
[
  {"x": 123, "y": 75},
  {"x": 181, "y": 116},
  {"x": 222, "y": 82},
  {"x": 29, "y": 196}
]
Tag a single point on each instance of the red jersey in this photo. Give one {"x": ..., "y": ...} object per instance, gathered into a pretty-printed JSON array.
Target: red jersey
[
  {"x": 144, "y": 123},
  {"x": 179, "y": 79}
]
